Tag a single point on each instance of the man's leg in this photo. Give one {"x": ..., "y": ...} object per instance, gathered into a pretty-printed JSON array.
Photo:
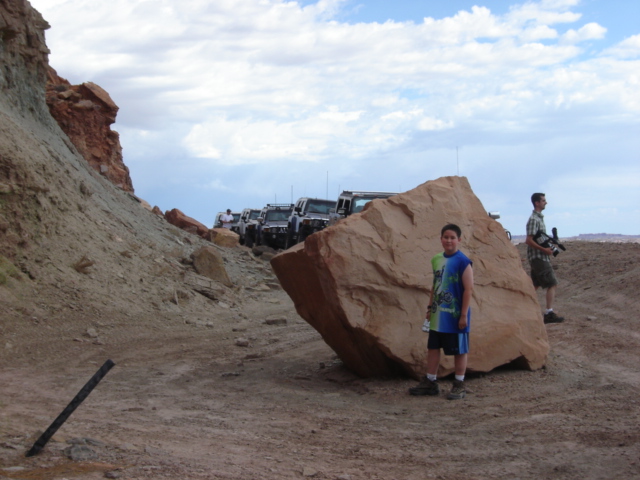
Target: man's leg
[{"x": 551, "y": 295}]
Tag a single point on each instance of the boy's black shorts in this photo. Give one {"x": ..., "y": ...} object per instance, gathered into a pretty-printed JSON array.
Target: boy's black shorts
[{"x": 451, "y": 343}]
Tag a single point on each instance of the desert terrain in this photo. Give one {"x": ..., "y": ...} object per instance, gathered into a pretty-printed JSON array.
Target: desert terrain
[
  {"x": 248, "y": 390},
  {"x": 215, "y": 381}
]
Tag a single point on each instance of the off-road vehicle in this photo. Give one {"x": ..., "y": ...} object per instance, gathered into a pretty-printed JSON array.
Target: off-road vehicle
[
  {"x": 272, "y": 225},
  {"x": 248, "y": 222},
  {"x": 495, "y": 216},
  {"x": 309, "y": 215},
  {"x": 350, "y": 202}
]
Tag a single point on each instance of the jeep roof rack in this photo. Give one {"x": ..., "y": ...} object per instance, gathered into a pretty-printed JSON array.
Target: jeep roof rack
[
  {"x": 356, "y": 192},
  {"x": 279, "y": 205}
]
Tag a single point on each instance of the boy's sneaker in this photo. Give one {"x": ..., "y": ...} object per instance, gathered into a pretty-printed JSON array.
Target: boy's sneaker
[
  {"x": 457, "y": 391},
  {"x": 551, "y": 317},
  {"x": 425, "y": 387}
]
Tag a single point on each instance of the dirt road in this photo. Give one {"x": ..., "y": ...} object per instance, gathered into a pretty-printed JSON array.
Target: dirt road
[{"x": 228, "y": 395}]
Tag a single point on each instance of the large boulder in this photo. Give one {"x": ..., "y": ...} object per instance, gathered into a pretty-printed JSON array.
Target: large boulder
[
  {"x": 209, "y": 263},
  {"x": 223, "y": 237},
  {"x": 364, "y": 284},
  {"x": 191, "y": 225}
]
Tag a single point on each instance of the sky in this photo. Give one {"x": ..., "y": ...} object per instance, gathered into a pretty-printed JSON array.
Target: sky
[{"x": 240, "y": 103}]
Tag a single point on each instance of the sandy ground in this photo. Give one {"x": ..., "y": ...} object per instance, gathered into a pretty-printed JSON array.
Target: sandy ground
[{"x": 186, "y": 399}]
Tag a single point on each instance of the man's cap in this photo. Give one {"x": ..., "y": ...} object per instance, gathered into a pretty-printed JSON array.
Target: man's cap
[{"x": 228, "y": 209}]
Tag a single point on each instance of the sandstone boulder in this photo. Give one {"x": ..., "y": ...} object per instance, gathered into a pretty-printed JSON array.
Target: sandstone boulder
[
  {"x": 180, "y": 220},
  {"x": 223, "y": 237},
  {"x": 209, "y": 263},
  {"x": 364, "y": 284}
]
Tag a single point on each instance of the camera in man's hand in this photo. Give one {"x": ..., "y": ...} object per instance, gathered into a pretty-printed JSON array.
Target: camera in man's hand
[{"x": 546, "y": 241}]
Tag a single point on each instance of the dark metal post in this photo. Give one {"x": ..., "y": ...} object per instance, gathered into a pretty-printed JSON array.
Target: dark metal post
[{"x": 77, "y": 400}]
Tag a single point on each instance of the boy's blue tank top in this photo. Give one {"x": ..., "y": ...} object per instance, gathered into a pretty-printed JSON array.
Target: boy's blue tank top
[{"x": 447, "y": 292}]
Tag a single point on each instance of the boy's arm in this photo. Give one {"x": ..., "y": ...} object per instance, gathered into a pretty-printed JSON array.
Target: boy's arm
[
  {"x": 467, "y": 283},
  {"x": 428, "y": 314}
]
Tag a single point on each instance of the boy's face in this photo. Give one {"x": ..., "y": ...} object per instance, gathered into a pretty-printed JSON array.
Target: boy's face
[{"x": 450, "y": 242}]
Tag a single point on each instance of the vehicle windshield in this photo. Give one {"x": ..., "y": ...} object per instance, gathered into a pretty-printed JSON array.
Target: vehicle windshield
[
  {"x": 320, "y": 206},
  {"x": 236, "y": 217},
  {"x": 277, "y": 215},
  {"x": 254, "y": 214}
]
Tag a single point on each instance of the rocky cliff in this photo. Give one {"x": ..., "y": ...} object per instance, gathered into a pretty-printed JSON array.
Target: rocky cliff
[
  {"x": 85, "y": 113},
  {"x": 73, "y": 244}
]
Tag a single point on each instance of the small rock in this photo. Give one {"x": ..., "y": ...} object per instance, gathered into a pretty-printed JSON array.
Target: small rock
[
  {"x": 92, "y": 332},
  {"x": 309, "y": 472},
  {"x": 591, "y": 318},
  {"x": 80, "y": 453},
  {"x": 276, "y": 321},
  {"x": 13, "y": 469},
  {"x": 112, "y": 474},
  {"x": 242, "y": 342}
]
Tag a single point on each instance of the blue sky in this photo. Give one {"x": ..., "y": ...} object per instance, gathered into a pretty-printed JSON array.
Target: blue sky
[{"x": 239, "y": 103}]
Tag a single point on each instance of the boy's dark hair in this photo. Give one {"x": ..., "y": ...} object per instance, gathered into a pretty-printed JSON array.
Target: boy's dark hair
[
  {"x": 452, "y": 227},
  {"x": 536, "y": 197}
]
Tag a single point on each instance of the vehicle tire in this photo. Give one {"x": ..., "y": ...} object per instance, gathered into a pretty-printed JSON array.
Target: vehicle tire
[{"x": 249, "y": 239}]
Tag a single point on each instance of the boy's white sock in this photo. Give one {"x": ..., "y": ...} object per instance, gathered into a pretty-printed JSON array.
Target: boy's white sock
[
  {"x": 433, "y": 378},
  {"x": 460, "y": 378},
  {"x": 548, "y": 310}
]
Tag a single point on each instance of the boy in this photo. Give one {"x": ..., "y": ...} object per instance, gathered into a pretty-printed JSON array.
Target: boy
[{"x": 448, "y": 314}]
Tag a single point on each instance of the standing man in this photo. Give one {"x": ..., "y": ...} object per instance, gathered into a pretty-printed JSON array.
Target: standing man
[
  {"x": 540, "y": 257},
  {"x": 227, "y": 219}
]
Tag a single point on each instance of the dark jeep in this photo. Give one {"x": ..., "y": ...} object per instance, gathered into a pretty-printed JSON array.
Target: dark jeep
[
  {"x": 309, "y": 215},
  {"x": 272, "y": 225}
]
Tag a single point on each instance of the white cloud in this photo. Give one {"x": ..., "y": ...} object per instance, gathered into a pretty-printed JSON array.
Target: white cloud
[
  {"x": 236, "y": 83},
  {"x": 628, "y": 48},
  {"x": 590, "y": 31}
]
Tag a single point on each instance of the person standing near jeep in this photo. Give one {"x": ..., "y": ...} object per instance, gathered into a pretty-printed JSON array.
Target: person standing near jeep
[
  {"x": 539, "y": 257},
  {"x": 227, "y": 219}
]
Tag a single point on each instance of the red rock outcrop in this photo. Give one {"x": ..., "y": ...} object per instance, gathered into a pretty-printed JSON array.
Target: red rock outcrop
[
  {"x": 191, "y": 225},
  {"x": 364, "y": 284},
  {"x": 85, "y": 113}
]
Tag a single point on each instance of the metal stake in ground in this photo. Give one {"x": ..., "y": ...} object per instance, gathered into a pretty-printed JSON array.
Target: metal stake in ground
[{"x": 77, "y": 400}]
